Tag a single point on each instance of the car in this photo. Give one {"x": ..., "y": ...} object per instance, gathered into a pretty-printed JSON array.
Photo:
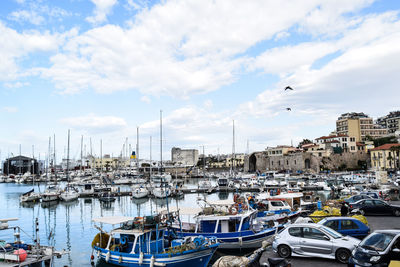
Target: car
[
  {"x": 377, "y": 249},
  {"x": 313, "y": 240},
  {"x": 347, "y": 226},
  {"x": 374, "y": 207},
  {"x": 356, "y": 198},
  {"x": 371, "y": 194}
]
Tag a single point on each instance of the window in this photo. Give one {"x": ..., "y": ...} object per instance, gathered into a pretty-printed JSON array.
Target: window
[
  {"x": 348, "y": 225},
  {"x": 332, "y": 224},
  {"x": 312, "y": 233},
  {"x": 295, "y": 231},
  {"x": 277, "y": 203},
  {"x": 353, "y": 148},
  {"x": 368, "y": 202}
]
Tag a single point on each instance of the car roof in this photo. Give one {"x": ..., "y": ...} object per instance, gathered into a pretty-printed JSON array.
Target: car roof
[
  {"x": 340, "y": 218},
  {"x": 305, "y": 225},
  {"x": 391, "y": 231}
]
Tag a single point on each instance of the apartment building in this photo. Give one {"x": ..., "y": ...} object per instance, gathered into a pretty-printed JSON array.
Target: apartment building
[
  {"x": 390, "y": 121},
  {"x": 360, "y": 126}
]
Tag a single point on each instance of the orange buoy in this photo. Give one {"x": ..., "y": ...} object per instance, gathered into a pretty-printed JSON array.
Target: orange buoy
[{"x": 21, "y": 254}]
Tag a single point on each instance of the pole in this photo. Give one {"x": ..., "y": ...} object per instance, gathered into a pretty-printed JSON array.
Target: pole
[
  {"x": 161, "y": 163},
  {"x": 81, "y": 154},
  {"x": 151, "y": 163},
  {"x": 137, "y": 148},
  {"x": 68, "y": 160}
]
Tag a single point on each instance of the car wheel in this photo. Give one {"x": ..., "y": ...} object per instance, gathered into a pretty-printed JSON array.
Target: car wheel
[
  {"x": 284, "y": 251},
  {"x": 397, "y": 213},
  {"x": 343, "y": 255}
]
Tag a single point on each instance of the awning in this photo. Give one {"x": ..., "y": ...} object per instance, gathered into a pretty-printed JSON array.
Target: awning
[
  {"x": 113, "y": 219},
  {"x": 184, "y": 210}
]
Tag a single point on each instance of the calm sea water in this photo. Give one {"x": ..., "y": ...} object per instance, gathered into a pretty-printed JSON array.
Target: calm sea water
[{"x": 69, "y": 225}]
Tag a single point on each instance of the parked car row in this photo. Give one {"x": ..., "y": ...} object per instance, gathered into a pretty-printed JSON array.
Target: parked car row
[
  {"x": 319, "y": 240},
  {"x": 374, "y": 207}
]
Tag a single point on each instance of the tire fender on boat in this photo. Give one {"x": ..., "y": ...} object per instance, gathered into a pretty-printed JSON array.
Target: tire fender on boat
[
  {"x": 120, "y": 259},
  {"x": 141, "y": 258},
  {"x": 152, "y": 260},
  {"x": 240, "y": 241},
  {"x": 108, "y": 256}
]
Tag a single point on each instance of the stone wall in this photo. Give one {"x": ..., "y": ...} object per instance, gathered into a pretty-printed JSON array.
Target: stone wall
[{"x": 303, "y": 161}]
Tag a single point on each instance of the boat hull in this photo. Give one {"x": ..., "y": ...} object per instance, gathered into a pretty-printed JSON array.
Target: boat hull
[
  {"x": 193, "y": 259},
  {"x": 50, "y": 197},
  {"x": 236, "y": 240}
]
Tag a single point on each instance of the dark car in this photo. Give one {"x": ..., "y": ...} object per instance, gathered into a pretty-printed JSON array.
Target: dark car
[
  {"x": 377, "y": 249},
  {"x": 371, "y": 194},
  {"x": 356, "y": 198},
  {"x": 346, "y": 226},
  {"x": 374, "y": 207}
]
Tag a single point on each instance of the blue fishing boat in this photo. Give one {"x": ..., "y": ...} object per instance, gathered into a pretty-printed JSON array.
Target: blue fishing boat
[
  {"x": 141, "y": 241},
  {"x": 232, "y": 223}
]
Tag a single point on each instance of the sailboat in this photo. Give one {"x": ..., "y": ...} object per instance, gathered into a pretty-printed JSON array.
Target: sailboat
[
  {"x": 52, "y": 192},
  {"x": 70, "y": 193}
]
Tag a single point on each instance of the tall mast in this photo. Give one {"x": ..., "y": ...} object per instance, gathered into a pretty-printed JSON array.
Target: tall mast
[
  {"x": 33, "y": 163},
  {"x": 101, "y": 156},
  {"x": 55, "y": 168},
  {"x": 233, "y": 145},
  {"x": 137, "y": 148},
  {"x": 151, "y": 163},
  {"x": 81, "y": 153},
  {"x": 161, "y": 163},
  {"x": 48, "y": 159},
  {"x": 68, "y": 160}
]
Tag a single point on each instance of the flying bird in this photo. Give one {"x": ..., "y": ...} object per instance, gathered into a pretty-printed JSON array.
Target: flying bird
[
  {"x": 288, "y": 88},
  {"x": 288, "y": 109}
]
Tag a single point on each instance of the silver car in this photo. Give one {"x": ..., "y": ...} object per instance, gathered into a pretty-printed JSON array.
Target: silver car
[{"x": 314, "y": 240}]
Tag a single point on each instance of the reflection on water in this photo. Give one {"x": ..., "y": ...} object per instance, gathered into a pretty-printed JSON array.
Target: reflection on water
[{"x": 69, "y": 225}]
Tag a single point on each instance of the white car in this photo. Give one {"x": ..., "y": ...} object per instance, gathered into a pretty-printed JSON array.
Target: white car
[{"x": 314, "y": 240}]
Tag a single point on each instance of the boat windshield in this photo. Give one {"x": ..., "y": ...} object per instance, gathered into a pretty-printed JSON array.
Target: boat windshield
[{"x": 377, "y": 241}]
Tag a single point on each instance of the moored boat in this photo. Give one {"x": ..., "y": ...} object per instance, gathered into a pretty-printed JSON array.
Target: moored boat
[{"x": 141, "y": 241}]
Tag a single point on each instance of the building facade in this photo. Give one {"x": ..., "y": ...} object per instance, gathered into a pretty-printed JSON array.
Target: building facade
[
  {"x": 390, "y": 121},
  {"x": 20, "y": 164},
  {"x": 360, "y": 126},
  {"x": 185, "y": 157},
  {"x": 385, "y": 157}
]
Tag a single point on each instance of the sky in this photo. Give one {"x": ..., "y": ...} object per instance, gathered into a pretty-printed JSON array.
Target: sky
[{"x": 102, "y": 68}]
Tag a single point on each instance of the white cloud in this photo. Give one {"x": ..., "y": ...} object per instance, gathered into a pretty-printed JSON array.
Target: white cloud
[
  {"x": 175, "y": 43},
  {"x": 92, "y": 123},
  {"x": 10, "y": 109},
  {"x": 359, "y": 77},
  {"x": 27, "y": 15},
  {"x": 145, "y": 99},
  {"x": 16, "y": 45},
  {"x": 102, "y": 9}
]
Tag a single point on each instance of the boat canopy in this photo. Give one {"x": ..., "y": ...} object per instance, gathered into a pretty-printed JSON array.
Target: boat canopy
[
  {"x": 226, "y": 202},
  {"x": 184, "y": 210},
  {"x": 113, "y": 219}
]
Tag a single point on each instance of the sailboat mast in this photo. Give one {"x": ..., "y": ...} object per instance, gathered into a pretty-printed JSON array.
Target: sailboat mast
[
  {"x": 161, "y": 163},
  {"x": 137, "y": 148},
  {"x": 151, "y": 163},
  {"x": 68, "y": 158},
  {"x": 81, "y": 153},
  {"x": 233, "y": 146},
  {"x": 55, "y": 168},
  {"x": 48, "y": 159}
]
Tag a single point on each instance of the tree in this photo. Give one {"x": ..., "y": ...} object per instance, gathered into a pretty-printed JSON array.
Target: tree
[
  {"x": 304, "y": 142},
  {"x": 385, "y": 140}
]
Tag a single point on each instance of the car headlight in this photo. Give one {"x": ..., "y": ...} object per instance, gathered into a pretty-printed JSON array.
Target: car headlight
[{"x": 375, "y": 258}]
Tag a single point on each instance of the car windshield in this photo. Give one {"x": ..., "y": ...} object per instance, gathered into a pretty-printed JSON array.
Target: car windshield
[
  {"x": 377, "y": 241},
  {"x": 332, "y": 233}
]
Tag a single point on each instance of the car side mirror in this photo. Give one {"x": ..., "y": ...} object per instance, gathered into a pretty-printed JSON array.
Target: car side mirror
[
  {"x": 397, "y": 250},
  {"x": 326, "y": 238}
]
